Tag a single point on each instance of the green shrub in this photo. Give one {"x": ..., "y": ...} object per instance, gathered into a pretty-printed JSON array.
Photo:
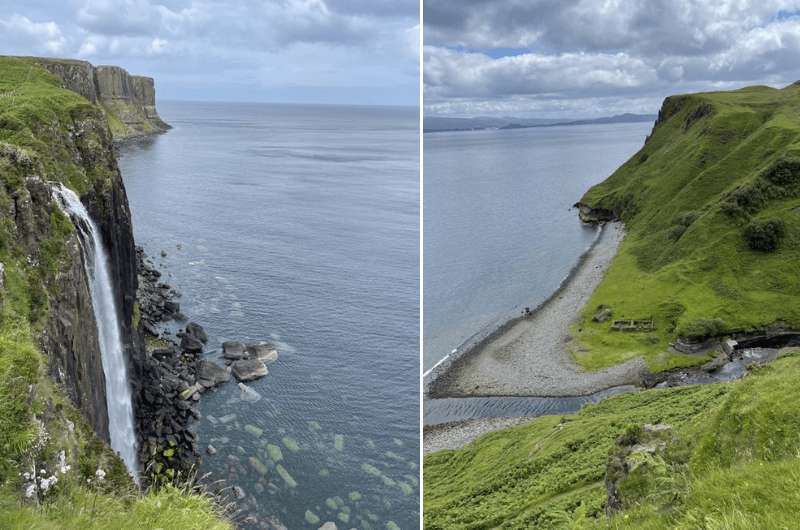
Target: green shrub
[
  {"x": 686, "y": 218},
  {"x": 703, "y": 328},
  {"x": 783, "y": 173},
  {"x": 765, "y": 235},
  {"x": 676, "y": 232}
]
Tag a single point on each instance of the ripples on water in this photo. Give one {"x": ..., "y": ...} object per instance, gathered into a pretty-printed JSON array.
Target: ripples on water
[
  {"x": 499, "y": 231},
  {"x": 298, "y": 224}
]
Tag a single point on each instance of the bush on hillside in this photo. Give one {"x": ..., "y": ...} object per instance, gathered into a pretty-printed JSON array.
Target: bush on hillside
[
  {"x": 765, "y": 235},
  {"x": 783, "y": 173},
  {"x": 703, "y": 328}
]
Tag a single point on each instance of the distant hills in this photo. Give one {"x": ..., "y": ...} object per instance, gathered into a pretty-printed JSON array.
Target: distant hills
[{"x": 442, "y": 124}]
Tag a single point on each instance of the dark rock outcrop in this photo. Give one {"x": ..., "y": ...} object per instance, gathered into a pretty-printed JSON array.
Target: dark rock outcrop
[
  {"x": 131, "y": 99},
  {"x": 248, "y": 369},
  {"x": 588, "y": 214}
]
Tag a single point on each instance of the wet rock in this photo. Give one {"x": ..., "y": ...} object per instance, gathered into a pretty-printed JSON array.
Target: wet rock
[
  {"x": 227, "y": 418},
  {"x": 190, "y": 344},
  {"x": 239, "y": 492},
  {"x": 234, "y": 350},
  {"x": 248, "y": 394},
  {"x": 210, "y": 374},
  {"x": 211, "y": 449},
  {"x": 729, "y": 346},
  {"x": 262, "y": 351},
  {"x": 150, "y": 329},
  {"x": 190, "y": 391},
  {"x": 329, "y": 525},
  {"x": 248, "y": 370},
  {"x": 195, "y": 330}
]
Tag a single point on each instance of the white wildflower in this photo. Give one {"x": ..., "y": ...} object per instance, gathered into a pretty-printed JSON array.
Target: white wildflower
[
  {"x": 30, "y": 490},
  {"x": 62, "y": 462},
  {"x": 100, "y": 474},
  {"x": 46, "y": 483},
  {"x": 42, "y": 472}
]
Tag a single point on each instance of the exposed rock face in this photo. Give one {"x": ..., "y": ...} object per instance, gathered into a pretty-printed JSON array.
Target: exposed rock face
[
  {"x": 69, "y": 336},
  {"x": 587, "y": 214},
  {"x": 130, "y": 99}
]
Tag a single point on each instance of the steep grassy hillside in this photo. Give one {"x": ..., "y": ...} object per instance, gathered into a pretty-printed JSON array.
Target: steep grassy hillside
[
  {"x": 51, "y": 134},
  {"x": 712, "y": 207},
  {"x": 731, "y": 461}
]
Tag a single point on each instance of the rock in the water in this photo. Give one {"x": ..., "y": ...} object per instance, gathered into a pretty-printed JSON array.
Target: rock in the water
[
  {"x": 171, "y": 307},
  {"x": 190, "y": 344},
  {"x": 248, "y": 370},
  {"x": 150, "y": 329},
  {"x": 227, "y": 418},
  {"x": 729, "y": 346},
  {"x": 196, "y": 330},
  {"x": 233, "y": 350},
  {"x": 329, "y": 525},
  {"x": 211, "y": 449},
  {"x": 189, "y": 392},
  {"x": 212, "y": 373},
  {"x": 248, "y": 394},
  {"x": 239, "y": 492},
  {"x": 263, "y": 351}
]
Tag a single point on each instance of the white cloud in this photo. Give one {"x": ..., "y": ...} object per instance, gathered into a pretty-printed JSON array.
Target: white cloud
[
  {"x": 43, "y": 37},
  {"x": 600, "y": 52}
]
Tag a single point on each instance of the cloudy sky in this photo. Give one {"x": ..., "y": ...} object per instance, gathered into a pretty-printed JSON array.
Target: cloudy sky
[
  {"x": 323, "y": 51},
  {"x": 585, "y": 58}
]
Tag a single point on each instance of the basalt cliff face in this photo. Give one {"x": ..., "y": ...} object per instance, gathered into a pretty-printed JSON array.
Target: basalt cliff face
[
  {"x": 50, "y": 136},
  {"x": 129, "y": 100}
]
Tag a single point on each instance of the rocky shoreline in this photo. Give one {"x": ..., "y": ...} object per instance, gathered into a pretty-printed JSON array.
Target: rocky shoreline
[
  {"x": 529, "y": 356},
  {"x": 175, "y": 375}
]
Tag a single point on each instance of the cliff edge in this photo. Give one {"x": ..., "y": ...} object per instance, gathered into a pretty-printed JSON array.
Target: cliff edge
[
  {"x": 53, "y": 411},
  {"x": 128, "y": 100}
]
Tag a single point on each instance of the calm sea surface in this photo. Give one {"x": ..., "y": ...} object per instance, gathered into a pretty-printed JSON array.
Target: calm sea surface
[
  {"x": 299, "y": 225},
  {"x": 499, "y": 231}
]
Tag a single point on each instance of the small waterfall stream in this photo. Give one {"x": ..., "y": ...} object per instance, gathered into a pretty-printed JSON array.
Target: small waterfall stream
[{"x": 118, "y": 393}]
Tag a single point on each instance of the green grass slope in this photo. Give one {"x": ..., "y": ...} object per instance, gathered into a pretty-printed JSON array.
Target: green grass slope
[
  {"x": 734, "y": 464},
  {"x": 711, "y": 203},
  {"x": 37, "y": 421}
]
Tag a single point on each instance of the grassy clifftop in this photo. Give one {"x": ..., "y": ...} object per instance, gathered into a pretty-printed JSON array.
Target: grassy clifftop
[
  {"x": 730, "y": 462},
  {"x": 48, "y": 133},
  {"x": 711, "y": 203}
]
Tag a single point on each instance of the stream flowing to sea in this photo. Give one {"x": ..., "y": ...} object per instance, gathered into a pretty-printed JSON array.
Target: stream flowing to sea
[
  {"x": 298, "y": 225},
  {"x": 500, "y": 233}
]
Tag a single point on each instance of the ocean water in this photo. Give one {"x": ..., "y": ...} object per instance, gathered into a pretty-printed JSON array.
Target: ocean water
[
  {"x": 299, "y": 225},
  {"x": 500, "y": 233}
]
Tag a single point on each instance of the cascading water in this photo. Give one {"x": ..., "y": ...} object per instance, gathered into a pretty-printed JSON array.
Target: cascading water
[{"x": 118, "y": 393}]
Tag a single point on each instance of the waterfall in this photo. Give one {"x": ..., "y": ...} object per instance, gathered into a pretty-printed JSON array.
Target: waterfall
[{"x": 118, "y": 392}]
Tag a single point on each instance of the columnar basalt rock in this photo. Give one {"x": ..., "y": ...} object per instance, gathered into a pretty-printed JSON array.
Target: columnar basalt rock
[{"x": 130, "y": 100}]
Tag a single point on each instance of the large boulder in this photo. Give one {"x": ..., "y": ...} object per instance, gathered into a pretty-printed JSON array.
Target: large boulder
[
  {"x": 196, "y": 330},
  {"x": 190, "y": 344},
  {"x": 210, "y": 374},
  {"x": 263, "y": 351},
  {"x": 234, "y": 350},
  {"x": 248, "y": 369}
]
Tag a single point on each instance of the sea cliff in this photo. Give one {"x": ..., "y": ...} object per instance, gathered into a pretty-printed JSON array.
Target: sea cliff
[
  {"x": 59, "y": 120},
  {"x": 707, "y": 272},
  {"x": 128, "y": 100}
]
